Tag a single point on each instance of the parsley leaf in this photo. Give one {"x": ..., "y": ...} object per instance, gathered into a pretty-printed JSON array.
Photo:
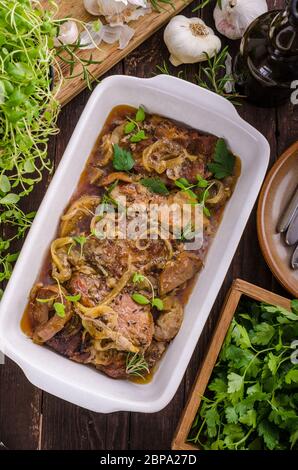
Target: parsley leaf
[
  {"x": 269, "y": 433},
  {"x": 212, "y": 420},
  {"x": 294, "y": 305},
  {"x": 235, "y": 382},
  {"x": 262, "y": 334},
  {"x": 156, "y": 185},
  {"x": 123, "y": 159},
  {"x": 231, "y": 415},
  {"x": 292, "y": 376},
  {"x": 223, "y": 161}
]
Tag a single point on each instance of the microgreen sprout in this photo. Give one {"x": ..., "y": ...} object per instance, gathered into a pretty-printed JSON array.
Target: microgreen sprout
[
  {"x": 134, "y": 125},
  {"x": 28, "y": 109},
  {"x": 141, "y": 299},
  {"x": 202, "y": 196}
]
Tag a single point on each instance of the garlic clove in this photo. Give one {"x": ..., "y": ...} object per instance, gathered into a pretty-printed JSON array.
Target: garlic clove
[
  {"x": 233, "y": 17},
  {"x": 68, "y": 34},
  {"x": 91, "y": 38},
  {"x": 92, "y": 7},
  {"x": 190, "y": 40}
]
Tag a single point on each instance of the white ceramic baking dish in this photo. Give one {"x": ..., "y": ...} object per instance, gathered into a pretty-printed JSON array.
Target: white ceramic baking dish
[{"x": 183, "y": 102}]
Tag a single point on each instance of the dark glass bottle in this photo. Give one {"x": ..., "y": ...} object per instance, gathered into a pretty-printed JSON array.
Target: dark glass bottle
[{"x": 267, "y": 64}]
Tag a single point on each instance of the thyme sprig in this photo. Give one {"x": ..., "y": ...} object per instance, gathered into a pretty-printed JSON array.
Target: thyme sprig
[
  {"x": 136, "y": 365},
  {"x": 211, "y": 75},
  {"x": 204, "y": 3},
  {"x": 214, "y": 77},
  {"x": 159, "y": 5}
]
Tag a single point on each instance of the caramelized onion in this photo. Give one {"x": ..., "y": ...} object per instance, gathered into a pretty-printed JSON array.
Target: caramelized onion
[
  {"x": 220, "y": 196},
  {"x": 61, "y": 267},
  {"x": 94, "y": 312},
  {"x": 85, "y": 205},
  {"x": 45, "y": 327},
  {"x": 162, "y": 155}
]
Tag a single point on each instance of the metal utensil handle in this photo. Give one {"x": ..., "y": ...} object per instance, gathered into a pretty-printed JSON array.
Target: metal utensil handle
[
  {"x": 294, "y": 12},
  {"x": 294, "y": 261},
  {"x": 288, "y": 216}
]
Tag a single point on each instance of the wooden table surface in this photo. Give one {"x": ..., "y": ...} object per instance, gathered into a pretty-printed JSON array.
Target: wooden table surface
[{"x": 32, "y": 419}]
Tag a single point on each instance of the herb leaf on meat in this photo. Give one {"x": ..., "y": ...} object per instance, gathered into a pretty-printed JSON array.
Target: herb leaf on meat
[
  {"x": 123, "y": 159},
  {"x": 138, "y": 136},
  {"x": 140, "y": 299},
  {"x": 155, "y": 185},
  {"x": 140, "y": 114},
  {"x": 223, "y": 161},
  {"x": 59, "y": 309}
]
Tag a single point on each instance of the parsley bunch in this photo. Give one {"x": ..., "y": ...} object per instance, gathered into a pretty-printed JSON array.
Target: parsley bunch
[{"x": 252, "y": 396}]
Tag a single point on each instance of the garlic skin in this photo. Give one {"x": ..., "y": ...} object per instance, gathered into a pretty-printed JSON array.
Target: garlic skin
[
  {"x": 189, "y": 40},
  {"x": 118, "y": 12},
  {"x": 234, "y": 16},
  {"x": 68, "y": 34}
]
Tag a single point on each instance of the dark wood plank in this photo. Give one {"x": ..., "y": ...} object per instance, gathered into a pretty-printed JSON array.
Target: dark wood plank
[{"x": 20, "y": 418}]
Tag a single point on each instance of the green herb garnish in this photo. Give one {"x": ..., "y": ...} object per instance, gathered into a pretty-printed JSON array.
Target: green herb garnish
[
  {"x": 59, "y": 309},
  {"x": 129, "y": 127},
  {"x": 197, "y": 198},
  {"x": 45, "y": 301},
  {"x": 223, "y": 161},
  {"x": 73, "y": 298},
  {"x": 155, "y": 185},
  {"x": 134, "y": 124},
  {"x": 138, "y": 136},
  {"x": 141, "y": 299},
  {"x": 251, "y": 402},
  {"x": 123, "y": 159},
  {"x": 136, "y": 365},
  {"x": 140, "y": 114},
  {"x": 80, "y": 240}
]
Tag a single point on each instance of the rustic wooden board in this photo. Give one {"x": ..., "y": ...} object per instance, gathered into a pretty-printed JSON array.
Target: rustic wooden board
[
  {"x": 109, "y": 54},
  {"x": 238, "y": 289}
]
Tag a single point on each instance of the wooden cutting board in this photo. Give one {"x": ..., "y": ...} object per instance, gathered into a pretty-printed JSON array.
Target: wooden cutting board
[{"x": 109, "y": 55}]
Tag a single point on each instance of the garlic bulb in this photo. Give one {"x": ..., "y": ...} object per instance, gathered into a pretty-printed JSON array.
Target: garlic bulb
[
  {"x": 68, "y": 33},
  {"x": 233, "y": 17},
  {"x": 189, "y": 40}
]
